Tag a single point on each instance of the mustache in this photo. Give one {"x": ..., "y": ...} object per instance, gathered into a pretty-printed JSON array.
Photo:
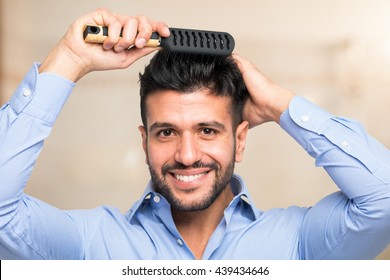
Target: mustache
[{"x": 179, "y": 166}]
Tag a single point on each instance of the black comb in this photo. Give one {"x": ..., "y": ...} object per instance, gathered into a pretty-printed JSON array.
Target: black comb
[{"x": 180, "y": 40}]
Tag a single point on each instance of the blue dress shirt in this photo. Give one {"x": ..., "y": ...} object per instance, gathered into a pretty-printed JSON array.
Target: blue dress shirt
[{"x": 353, "y": 223}]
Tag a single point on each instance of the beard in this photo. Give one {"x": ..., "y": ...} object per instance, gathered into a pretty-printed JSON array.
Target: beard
[{"x": 221, "y": 181}]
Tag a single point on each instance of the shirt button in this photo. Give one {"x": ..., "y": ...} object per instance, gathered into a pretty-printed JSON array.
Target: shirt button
[
  {"x": 345, "y": 144},
  {"x": 26, "y": 92},
  {"x": 305, "y": 118},
  {"x": 180, "y": 242},
  {"x": 244, "y": 198},
  {"x": 156, "y": 199}
]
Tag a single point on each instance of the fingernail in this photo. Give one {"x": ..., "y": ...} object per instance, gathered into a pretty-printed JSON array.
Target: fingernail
[
  {"x": 140, "y": 43},
  {"x": 167, "y": 31},
  {"x": 107, "y": 46},
  {"x": 119, "y": 48}
]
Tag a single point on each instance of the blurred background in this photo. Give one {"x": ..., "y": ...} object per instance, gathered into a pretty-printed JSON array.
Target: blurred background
[{"x": 334, "y": 52}]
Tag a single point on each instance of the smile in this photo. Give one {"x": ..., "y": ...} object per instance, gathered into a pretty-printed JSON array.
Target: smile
[{"x": 189, "y": 178}]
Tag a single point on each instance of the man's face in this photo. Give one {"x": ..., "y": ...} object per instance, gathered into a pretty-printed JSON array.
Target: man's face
[{"x": 191, "y": 147}]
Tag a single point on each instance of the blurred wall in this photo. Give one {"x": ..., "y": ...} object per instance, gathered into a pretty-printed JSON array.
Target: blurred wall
[{"x": 335, "y": 52}]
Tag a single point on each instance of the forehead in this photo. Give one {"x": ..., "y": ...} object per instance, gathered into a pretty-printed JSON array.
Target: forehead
[{"x": 176, "y": 107}]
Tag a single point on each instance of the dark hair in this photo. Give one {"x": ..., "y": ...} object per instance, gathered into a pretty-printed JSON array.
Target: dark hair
[{"x": 188, "y": 73}]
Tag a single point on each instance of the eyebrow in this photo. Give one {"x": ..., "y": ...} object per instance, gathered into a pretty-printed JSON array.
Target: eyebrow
[
  {"x": 159, "y": 125},
  {"x": 212, "y": 124}
]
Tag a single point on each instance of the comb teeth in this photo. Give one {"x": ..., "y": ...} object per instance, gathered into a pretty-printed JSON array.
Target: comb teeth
[{"x": 198, "y": 42}]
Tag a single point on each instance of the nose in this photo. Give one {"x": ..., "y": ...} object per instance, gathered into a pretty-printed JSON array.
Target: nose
[{"x": 188, "y": 151}]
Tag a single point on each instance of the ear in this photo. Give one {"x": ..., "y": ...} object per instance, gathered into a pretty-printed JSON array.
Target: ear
[
  {"x": 144, "y": 136},
  {"x": 241, "y": 133}
]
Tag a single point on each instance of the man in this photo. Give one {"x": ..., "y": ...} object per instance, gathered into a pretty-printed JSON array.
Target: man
[{"x": 196, "y": 113}]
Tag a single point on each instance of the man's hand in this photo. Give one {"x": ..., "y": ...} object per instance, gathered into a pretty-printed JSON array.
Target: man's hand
[
  {"x": 72, "y": 58},
  {"x": 267, "y": 100}
]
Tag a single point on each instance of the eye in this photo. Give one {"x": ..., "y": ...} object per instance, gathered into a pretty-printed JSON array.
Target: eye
[
  {"x": 208, "y": 131},
  {"x": 166, "y": 133}
]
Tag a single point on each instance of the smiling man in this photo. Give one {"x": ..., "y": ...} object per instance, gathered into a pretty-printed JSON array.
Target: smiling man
[
  {"x": 191, "y": 151},
  {"x": 193, "y": 131},
  {"x": 196, "y": 112}
]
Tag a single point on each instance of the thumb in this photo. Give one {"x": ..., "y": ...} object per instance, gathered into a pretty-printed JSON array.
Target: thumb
[{"x": 133, "y": 54}]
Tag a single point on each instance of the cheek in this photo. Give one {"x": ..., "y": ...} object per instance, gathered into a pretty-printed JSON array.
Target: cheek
[
  {"x": 159, "y": 154},
  {"x": 219, "y": 151}
]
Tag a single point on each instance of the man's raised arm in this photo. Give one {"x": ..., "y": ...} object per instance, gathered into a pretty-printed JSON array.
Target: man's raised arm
[
  {"x": 355, "y": 222},
  {"x": 30, "y": 228}
]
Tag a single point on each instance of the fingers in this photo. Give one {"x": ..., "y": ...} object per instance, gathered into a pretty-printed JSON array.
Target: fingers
[
  {"x": 134, "y": 54},
  {"x": 254, "y": 80},
  {"x": 239, "y": 61},
  {"x": 106, "y": 18},
  {"x": 127, "y": 31},
  {"x": 138, "y": 30},
  {"x": 73, "y": 58},
  {"x": 267, "y": 100}
]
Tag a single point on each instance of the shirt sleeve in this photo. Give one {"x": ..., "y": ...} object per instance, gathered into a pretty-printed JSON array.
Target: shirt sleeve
[
  {"x": 25, "y": 121},
  {"x": 355, "y": 222}
]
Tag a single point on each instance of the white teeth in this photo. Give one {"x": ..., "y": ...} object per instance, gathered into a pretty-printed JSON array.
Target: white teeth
[{"x": 190, "y": 178}]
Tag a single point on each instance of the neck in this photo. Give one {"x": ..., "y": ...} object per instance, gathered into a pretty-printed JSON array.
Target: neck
[{"x": 196, "y": 227}]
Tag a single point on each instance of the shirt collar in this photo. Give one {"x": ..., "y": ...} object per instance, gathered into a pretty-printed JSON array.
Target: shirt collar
[
  {"x": 241, "y": 193},
  {"x": 237, "y": 184}
]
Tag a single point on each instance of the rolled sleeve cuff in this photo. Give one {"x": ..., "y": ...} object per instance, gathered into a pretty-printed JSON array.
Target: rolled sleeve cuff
[
  {"x": 304, "y": 120},
  {"x": 41, "y": 95}
]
